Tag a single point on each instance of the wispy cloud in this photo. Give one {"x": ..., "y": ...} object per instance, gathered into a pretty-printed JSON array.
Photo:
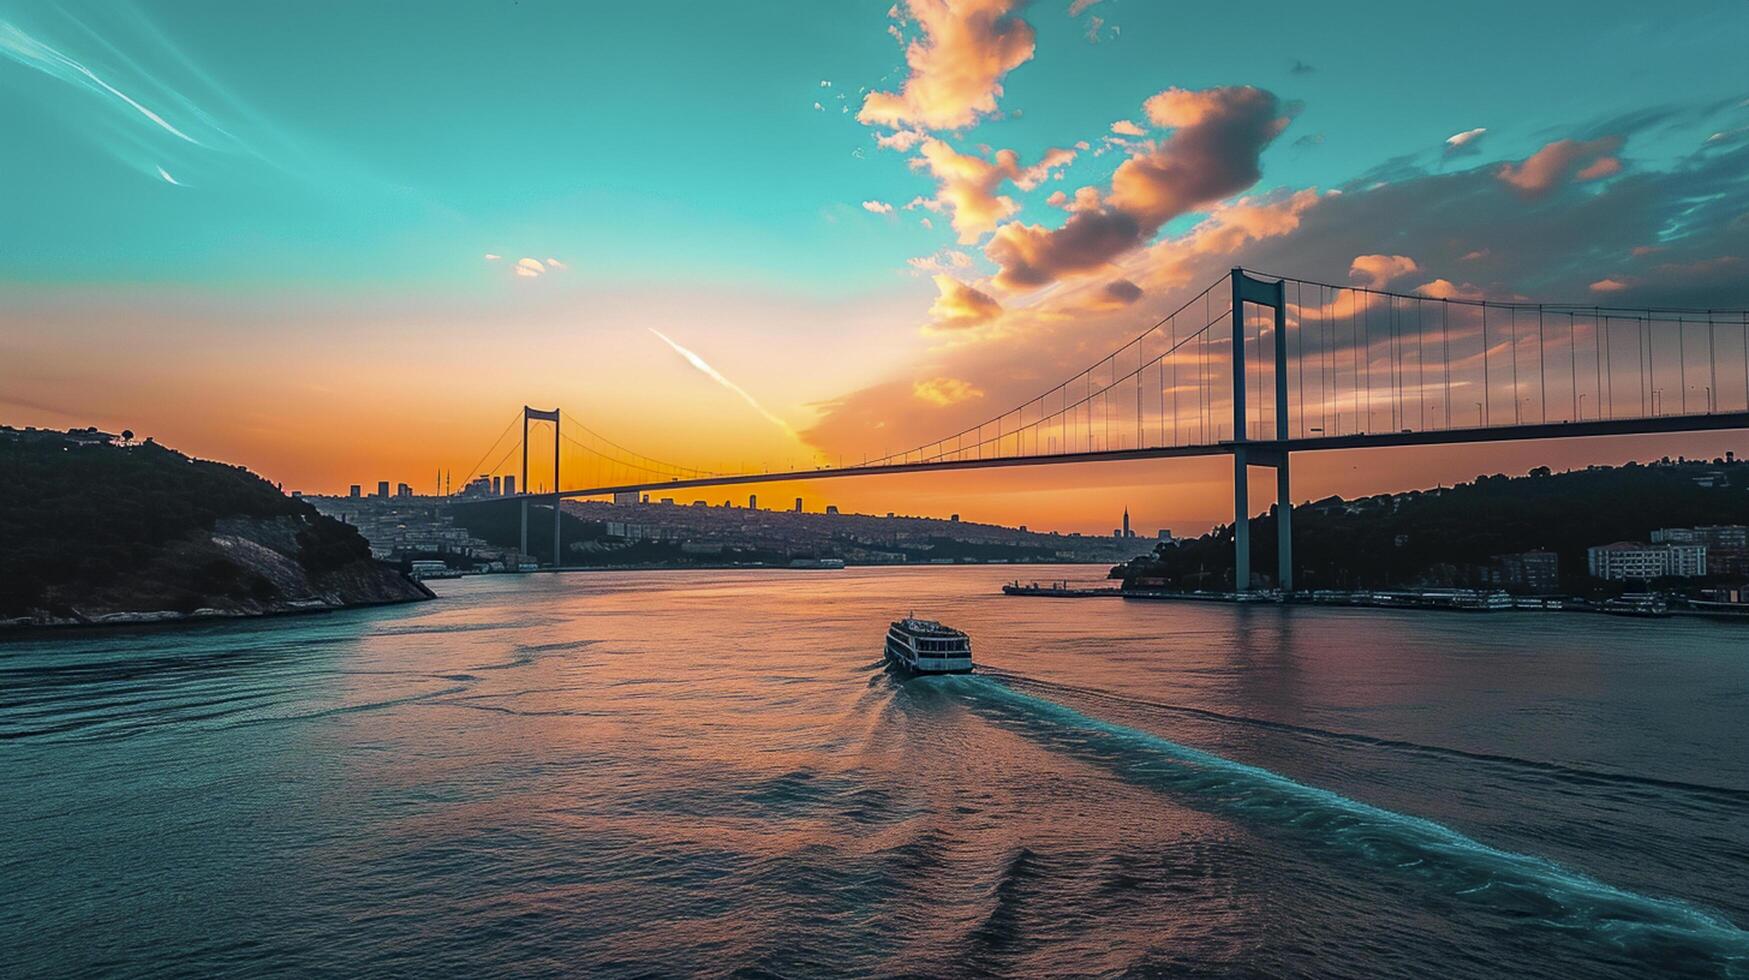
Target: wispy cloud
[
  {"x": 717, "y": 376},
  {"x": 33, "y": 53}
]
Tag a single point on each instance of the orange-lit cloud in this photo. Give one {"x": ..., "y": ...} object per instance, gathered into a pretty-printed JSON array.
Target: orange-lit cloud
[
  {"x": 1379, "y": 271},
  {"x": 1548, "y": 167},
  {"x": 960, "y": 306},
  {"x": 946, "y": 391},
  {"x": 877, "y": 207},
  {"x": 956, "y": 65},
  {"x": 1211, "y": 153}
]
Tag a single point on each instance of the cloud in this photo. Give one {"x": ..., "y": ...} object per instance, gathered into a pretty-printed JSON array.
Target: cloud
[
  {"x": 1300, "y": 68},
  {"x": 44, "y": 57},
  {"x": 1466, "y": 143},
  {"x": 946, "y": 391},
  {"x": 942, "y": 262},
  {"x": 1123, "y": 127},
  {"x": 956, "y": 66},
  {"x": 959, "y": 306},
  {"x": 717, "y": 376},
  {"x": 1212, "y": 153},
  {"x": 1550, "y": 166},
  {"x": 1379, "y": 271},
  {"x": 1446, "y": 289},
  {"x": 967, "y": 189},
  {"x": 902, "y": 140},
  {"x": 1093, "y": 26},
  {"x": 877, "y": 207},
  {"x": 1076, "y": 7},
  {"x": 165, "y": 174},
  {"x": 1114, "y": 295},
  {"x": 491, "y": 257},
  {"x": 528, "y": 267},
  {"x": 1609, "y": 286}
]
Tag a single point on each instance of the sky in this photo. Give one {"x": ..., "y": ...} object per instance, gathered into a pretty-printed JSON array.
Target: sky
[{"x": 343, "y": 242}]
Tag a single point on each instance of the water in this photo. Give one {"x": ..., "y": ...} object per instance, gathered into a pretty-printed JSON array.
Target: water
[{"x": 711, "y": 773}]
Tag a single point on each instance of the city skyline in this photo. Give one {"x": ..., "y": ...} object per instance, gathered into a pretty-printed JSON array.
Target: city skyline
[{"x": 765, "y": 253}]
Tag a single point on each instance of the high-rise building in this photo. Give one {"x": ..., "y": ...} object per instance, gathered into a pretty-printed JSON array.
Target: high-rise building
[
  {"x": 752, "y": 501},
  {"x": 382, "y": 488},
  {"x": 355, "y": 491},
  {"x": 497, "y": 486},
  {"x": 510, "y": 486},
  {"x": 403, "y": 490},
  {"x": 1127, "y": 533},
  {"x": 798, "y": 505}
]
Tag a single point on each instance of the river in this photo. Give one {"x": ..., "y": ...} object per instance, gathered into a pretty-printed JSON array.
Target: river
[{"x": 710, "y": 772}]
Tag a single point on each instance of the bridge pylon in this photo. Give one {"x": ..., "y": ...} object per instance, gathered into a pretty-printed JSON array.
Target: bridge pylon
[
  {"x": 538, "y": 415},
  {"x": 1248, "y": 289}
]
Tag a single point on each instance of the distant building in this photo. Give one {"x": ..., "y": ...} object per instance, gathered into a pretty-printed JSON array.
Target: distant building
[
  {"x": 1127, "y": 533},
  {"x": 1165, "y": 534},
  {"x": 497, "y": 486},
  {"x": 955, "y": 518},
  {"x": 752, "y": 501},
  {"x": 626, "y": 497},
  {"x": 355, "y": 491},
  {"x": 510, "y": 486},
  {"x": 798, "y": 505},
  {"x": 382, "y": 488},
  {"x": 1727, "y": 545},
  {"x": 1536, "y": 571},
  {"x": 403, "y": 490},
  {"x": 832, "y": 509},
  {"x": 1636, "y": 561}
]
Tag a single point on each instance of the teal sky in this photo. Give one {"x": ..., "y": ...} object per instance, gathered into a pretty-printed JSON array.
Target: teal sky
[{"x": 389, "y": 145}]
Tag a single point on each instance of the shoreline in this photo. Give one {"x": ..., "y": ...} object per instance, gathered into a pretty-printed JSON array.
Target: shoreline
[
  {"x": 1365, "y": 600},
  {"x": 168, "y": 618}
]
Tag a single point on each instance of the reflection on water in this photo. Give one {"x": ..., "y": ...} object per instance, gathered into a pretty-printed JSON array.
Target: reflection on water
[{"x": 713, "y": 772}]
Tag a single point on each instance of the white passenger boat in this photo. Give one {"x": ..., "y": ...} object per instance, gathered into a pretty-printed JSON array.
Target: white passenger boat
[{"x": 924, "y": 646}]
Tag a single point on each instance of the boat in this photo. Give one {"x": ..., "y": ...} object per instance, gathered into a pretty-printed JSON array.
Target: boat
[{"x": 924, "y": 646}]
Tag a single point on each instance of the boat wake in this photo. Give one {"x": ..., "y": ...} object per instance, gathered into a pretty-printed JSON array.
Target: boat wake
[{"x": 1521, "y": 886}]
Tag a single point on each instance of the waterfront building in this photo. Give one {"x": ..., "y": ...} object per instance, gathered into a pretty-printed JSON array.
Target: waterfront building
[
  {"x": 1535, "y": 571},
  {"x": 1727, "y": 545},
  {"x": 1637, "y": 561}
]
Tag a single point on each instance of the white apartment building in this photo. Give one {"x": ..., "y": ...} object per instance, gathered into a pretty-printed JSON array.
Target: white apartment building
[{"x": 1624, "y": 560}]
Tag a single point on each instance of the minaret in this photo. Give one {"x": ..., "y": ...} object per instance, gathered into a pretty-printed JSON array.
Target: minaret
[{"x": 1126, "y": 523}]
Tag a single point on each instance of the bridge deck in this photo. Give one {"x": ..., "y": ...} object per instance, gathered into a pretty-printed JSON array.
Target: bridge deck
[{"x": 1262, "y": 447}]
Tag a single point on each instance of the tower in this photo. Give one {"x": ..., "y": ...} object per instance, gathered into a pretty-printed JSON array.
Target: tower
[{"x": 1126, "y": 524}]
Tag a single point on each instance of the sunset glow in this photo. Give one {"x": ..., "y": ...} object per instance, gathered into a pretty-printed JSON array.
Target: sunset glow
[{"x": 771, "y": 238}]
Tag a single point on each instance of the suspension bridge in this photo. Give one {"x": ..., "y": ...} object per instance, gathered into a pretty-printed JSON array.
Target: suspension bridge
[{"x": 1261, "y": 367}]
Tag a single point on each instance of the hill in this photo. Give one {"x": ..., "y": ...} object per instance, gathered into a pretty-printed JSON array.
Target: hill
[
  {"x": 1449, "y": 536},
  {"x": 97, "y": 531}
]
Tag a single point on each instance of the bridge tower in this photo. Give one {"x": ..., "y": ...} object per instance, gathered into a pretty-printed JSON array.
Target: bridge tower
[
  {"x": 1247, "y": 289},
  {"x": 537, "y": 415}
]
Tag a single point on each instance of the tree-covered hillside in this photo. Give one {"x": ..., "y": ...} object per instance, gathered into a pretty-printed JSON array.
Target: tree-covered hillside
[
  {"x": 78, "y": 516},
  {"x": 1445, "y": 536}
]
